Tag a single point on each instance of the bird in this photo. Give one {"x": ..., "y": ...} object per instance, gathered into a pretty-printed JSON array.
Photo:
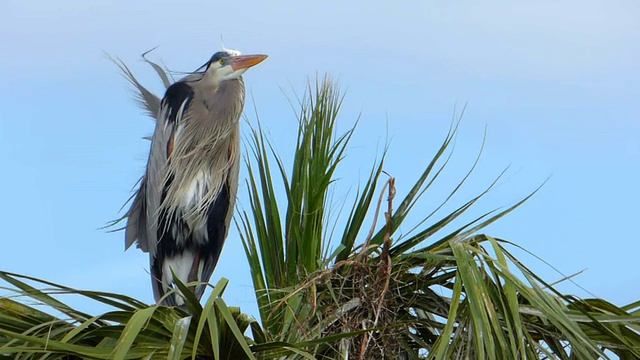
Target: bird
[{"x": 182, "y": 209}]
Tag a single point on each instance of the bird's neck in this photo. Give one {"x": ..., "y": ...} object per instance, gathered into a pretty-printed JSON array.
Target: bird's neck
[
  {"x": 210, "y": 84},
  {"x": 224, "y": 96}
]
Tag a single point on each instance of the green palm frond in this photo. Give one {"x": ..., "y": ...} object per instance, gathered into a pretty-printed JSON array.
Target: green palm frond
[
  {"x": 444, "y": 290},
  {"x": 284, "y": 251},
  {"x": 132, "y": 330}
]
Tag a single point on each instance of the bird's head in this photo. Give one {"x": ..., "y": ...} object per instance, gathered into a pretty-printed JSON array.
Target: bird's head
[{"x": 229, "y": 64}]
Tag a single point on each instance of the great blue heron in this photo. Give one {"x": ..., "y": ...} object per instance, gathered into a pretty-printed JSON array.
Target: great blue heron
[{"x": 181, "y": 212}]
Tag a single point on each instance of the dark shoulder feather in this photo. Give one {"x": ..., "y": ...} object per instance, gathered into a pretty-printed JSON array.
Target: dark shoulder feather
[{"x": 176, "y": 95}]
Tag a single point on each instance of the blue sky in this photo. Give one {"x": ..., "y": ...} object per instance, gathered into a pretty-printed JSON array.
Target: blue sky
[{"x": 556, "y": 85}]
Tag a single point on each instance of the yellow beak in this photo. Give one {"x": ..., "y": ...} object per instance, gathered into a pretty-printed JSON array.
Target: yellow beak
[{"x": 246, "y": 61}]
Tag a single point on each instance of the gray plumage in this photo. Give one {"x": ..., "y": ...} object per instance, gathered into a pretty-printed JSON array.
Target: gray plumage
[{"x": 182, "y": 209}]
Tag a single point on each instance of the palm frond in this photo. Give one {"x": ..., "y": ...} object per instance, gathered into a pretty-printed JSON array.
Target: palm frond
[
  {"x": 132, "y": 330},
  {"x": 444, "y": 290}
]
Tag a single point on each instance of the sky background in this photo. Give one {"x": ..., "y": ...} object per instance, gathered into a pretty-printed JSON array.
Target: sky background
[{"x": 556, "y": 85}]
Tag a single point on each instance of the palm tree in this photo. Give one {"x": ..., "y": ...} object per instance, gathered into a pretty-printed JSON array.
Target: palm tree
[{"x": 443, "y": 290}]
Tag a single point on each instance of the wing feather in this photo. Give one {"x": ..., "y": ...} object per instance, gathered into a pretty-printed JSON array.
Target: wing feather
[
  {"x": 146, "y": 99},
  {"x": 174, "y": 105},
  {"x": 136, "y": 229}
]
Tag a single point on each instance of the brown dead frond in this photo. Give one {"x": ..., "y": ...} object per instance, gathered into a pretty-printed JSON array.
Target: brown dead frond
[{"x": 358, "y": 294}]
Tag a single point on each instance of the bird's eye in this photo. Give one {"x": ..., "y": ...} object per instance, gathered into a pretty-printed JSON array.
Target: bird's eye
[{"x": 222, "y": 61}]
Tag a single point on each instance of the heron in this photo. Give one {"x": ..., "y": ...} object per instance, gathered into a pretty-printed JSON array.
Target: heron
[{"x": 182, "y": 209}]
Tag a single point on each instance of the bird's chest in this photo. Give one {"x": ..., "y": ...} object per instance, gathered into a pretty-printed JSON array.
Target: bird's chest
[
  {"x": 188, "y": 223},
  {"x": 194, "y": 194}
]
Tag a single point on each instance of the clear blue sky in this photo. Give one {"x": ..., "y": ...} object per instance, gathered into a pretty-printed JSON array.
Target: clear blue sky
[{"x": 557, "y": 84}]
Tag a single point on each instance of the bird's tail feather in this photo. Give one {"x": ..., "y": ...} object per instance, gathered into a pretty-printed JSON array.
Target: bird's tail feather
[{"x": 188, "y": 268}]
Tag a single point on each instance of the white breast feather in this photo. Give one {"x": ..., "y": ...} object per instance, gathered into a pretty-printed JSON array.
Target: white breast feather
[{"x": 196, "y": 191}]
